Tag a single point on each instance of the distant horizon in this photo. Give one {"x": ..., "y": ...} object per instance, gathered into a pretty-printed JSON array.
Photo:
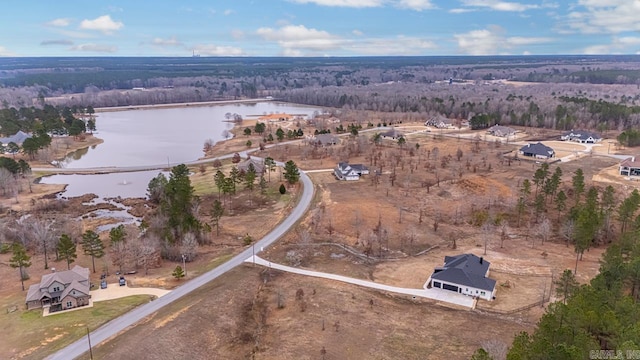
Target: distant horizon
[
  {"x": 319, "y": 28},
  {"x": 320, "y": 57}
]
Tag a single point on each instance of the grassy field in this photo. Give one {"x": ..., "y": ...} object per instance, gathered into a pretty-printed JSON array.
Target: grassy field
[{"x": 29, "y": 335}]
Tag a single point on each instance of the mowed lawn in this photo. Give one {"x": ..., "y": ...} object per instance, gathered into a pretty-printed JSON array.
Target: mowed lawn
[{"x": 27, "y": 334}]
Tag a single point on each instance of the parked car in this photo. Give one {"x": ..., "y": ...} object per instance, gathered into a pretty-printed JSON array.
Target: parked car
[
  {"x": 122, "y": 281},
  {"x": 103, "y": 284}
]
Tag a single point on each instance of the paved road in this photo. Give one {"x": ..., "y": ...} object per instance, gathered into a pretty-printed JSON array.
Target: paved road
[
  {"x": 117, "y": 325},
  {"x": 434, "y": 294}
]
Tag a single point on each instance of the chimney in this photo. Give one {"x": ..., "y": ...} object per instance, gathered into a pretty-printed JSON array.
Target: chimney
[
  {"x": 53, "y": 269},
  {"x": 481, "y": 259}
]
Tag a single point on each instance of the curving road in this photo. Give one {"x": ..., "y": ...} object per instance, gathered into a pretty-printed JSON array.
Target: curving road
[{"x": 119, "y": 324}]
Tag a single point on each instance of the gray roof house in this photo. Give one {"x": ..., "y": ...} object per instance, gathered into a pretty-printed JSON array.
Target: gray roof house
[
  {"x": 60, "y": 290},
  {"x": 324, "y": 140},
  {"x": 17, "y": 138},
  {"x": 537, "y": 150},
  {"x": 258, "y": 165},
  {"x": 465, "y": 274},
  {"x": 501, "y": 131},
  {"x": 581, "y": 136},
  {"x": 392, "y": 133},
  {"x": 349, "y": 172},
  {"x": 439, "y": 122}
]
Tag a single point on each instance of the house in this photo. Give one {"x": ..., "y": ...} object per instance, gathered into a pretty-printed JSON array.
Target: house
[
  {"x": 464, "y": 274},
  {"x": 439, "y": 122},
  {"x": 324, "y": 140},
  {"x": 501, "y": 131},
  {"x": 581, "y": 136},
  {"x": 538, "y": 151},
  {"x": 258, "y": 165},
  {"x": 17, "y": 138},
  {"x": 391, "y": 133},
  {"x": 350, "y": 172},
  {"x": 275, "y": 117},
  {"x": 60, "y": 290},
  {"x": 630, "y": 167}
]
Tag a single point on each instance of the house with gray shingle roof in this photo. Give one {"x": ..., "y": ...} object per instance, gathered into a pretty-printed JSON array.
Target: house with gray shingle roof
[
  {"x": 581, "y": 136},
  {"x": 501, "y": 131},
  {"x": 60, "y": 290},
  {"x": 258, "y": 165},
  {"x": 464, "y": 274},
  {"x": 537, "y": 150},
  {"x": 17, "y": 138},
  {"x": 346, "y": 171}
]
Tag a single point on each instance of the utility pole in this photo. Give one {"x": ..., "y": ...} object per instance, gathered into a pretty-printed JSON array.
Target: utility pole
[{"x": 89, "y": 339}]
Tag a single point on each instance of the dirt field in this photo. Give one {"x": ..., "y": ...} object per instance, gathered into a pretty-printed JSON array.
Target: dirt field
[{"x": 391, "y": 328}]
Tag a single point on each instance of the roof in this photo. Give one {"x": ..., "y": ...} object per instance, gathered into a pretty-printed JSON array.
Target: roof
[
  {"x": 325, "y": 139},
  {"x": 258, "y": 165},
  {"x": 630, "y": 162},
  {"x": 75, "y": 285},
  {"x": 467, "y": 270},
  {"x": 581, "y": 134},
  {"x": 537, "y": 149},
  {"x": 501, "y": 129},
  {"x": 17, "y": 138},
  {"x": 77, "y": 275}
]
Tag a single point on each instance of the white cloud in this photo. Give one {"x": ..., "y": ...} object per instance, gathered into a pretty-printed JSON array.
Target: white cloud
[
  {"x": 299, "y": 37},
  {"x": 526, "y": 52},
  {"x": 216, "y": 50},
  {"x": 343, "y": 3},
  {"x": 505, "y": 5},
  {"x": 61, "y": 22},
  {"x": 298, "y": 40},
  {"x": 5, "y": 52},
  {"x": 73, "y": 34},
  {"x": 228, "y": 12},
  {"x": 492, "y": 40},
  {"x": 166, "y": 42},
  {"x": 460, "y": 10},
  {"x": 114, "y": 9},
  {"x": 618, "y": 45},
  {"x": 417, "y": 5},
  {"x": 95, "y": 48},
  {"x": 357, "y": 32},
  {"x": 102, "y": 23},
  {"x": 605, "y": 16}
]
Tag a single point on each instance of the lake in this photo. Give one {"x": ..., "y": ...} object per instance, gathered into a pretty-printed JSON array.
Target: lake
[{"x": 161, "y": 136}]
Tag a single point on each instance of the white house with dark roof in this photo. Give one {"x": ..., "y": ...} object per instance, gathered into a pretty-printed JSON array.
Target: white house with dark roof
[
  {"x": 464, "y": 274},
  {"x": 349, "y": 172},
  {"x": 537, "y": 150},
  {"x": 581, "y": 136},
  {"x": 61, "y": 290}
]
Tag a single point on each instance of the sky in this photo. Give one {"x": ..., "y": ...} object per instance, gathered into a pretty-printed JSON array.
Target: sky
[{"x": 318, "y": 27}]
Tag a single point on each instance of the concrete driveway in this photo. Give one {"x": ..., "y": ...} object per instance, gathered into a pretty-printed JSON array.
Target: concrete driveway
[{"x": 115, "y": 291}]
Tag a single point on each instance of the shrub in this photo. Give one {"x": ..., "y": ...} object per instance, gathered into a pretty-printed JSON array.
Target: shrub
[{"x": 282, "y": 189}]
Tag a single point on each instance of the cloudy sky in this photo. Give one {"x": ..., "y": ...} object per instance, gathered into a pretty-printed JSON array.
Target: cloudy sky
[{"x": 318, "y": 27}]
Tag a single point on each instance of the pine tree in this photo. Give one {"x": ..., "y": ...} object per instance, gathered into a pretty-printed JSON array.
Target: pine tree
[
  {"x": 92, "y": 246},
  {"x": 291, "y": 172},
  {"x": 178, "y": 272},
  {"x": 67, "y": 249},
  {"x": 217, "y": 210},
  {"x": 21, "y": 260}
]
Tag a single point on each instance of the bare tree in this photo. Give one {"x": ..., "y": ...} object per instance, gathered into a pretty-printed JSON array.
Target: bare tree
[
  {"x": 567, "y": 231},
  {"x": 189, "y": 246},
  {"x": 487, "y": 228},
  {"x": 147, "y": 252},
  {"x": 544, "y": 230}
]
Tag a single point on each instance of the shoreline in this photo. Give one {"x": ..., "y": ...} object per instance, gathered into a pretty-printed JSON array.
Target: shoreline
[{"x": 181, "y": 105}]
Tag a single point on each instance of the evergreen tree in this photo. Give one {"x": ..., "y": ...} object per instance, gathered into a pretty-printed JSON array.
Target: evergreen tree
[
  {"x": 250, "y": 177},
  {"x": 92, "y": 246},
  {"x": 20, "y": 260},
  {"x": 566, "y": 285},
  {"x": 178, "y": 272},
  {"x": 177, "y": 204},
  {"x": 67, "y": 250},
  {"x": 577, "y": 181},
  {"x": 291, "y": 172},
  {"x": 217, "y": 210}
]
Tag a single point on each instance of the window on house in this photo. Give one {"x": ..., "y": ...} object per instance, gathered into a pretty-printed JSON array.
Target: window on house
[
  {"x": 482, "y": 293},
  {"x": 57, "y": 288},
  {"x": 69, "y": 304}
]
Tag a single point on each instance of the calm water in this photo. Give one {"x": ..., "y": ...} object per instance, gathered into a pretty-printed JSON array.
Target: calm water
[{"x": 159, "y": 136}]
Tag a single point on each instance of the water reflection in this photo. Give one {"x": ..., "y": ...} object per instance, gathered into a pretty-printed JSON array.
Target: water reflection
[{"x": 158, "y": 136}]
